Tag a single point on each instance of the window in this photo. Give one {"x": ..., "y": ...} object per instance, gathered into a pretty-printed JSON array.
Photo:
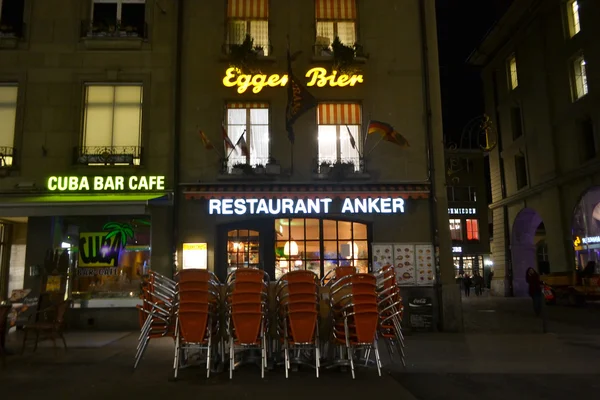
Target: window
[
  {"x": 573, "y": 16},
  {"x": 11, "y": 17},
  {"x": 112, "y": 126},
  {"x": 456, "y": 230},
  {"x": 308, "y": 243},
  {"x": 248, "y": 129},
  {"x": 248, "y": 17},
  {"x": 118, "y": 17},
  {"x": 335, "y": 18},
  {"x": 580, "y": 75},
  {"x": 588, "y": 139},
  {"x": 339, "y": 133},
  {"x": 8, "y": 116},
  {"x": 472, "y": 229},
  {"x": 512, "y": 72},
  {"x": 521, "y": 171},
  {"x": 242, "y": 249},
  {"x": 516, "y": 121}
]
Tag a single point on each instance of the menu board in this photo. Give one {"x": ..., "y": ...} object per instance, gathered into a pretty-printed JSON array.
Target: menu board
[
  {"x": 425, "y": 262},
  {"x": 383, "y": 255},
  {"x": 404, "y": 264}
]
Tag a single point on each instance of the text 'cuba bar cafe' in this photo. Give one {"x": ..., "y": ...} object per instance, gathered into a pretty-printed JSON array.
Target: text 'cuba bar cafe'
[{"x": 289, "y": 159}]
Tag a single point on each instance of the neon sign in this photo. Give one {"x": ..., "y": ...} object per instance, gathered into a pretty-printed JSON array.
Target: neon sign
[
  {"x": 301, "y": 206},
  {"x": 317, "y": 77},
  {"x": 462, "y": 211},
  {"x": 457, "y": 249},
  {"x": 104, "y": 183}
]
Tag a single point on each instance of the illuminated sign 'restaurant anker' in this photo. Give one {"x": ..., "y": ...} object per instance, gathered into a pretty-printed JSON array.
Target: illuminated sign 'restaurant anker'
[{"x": 301, "y": 206}]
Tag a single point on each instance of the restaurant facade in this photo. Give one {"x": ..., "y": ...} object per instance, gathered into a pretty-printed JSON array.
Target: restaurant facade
[{"x": 211, "y": 83}]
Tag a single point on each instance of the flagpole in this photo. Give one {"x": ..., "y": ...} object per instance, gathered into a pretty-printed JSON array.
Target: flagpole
[
  {"x": 376, "y": 144},
  {"x": 236, "y": 145},
  {"x": 290, "y": 77}
]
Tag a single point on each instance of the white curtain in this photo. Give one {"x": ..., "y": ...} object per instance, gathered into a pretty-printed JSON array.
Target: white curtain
[
  {"x": 346, "y": 32},
  {"x": 347, "y": 153},
  {"x": 325, "y": 29},
  {"x": 8, "y": 115},
  {"x": 259, "y": 136},
  {"x": 237, "y": 31},
  {"x": 259, "y": 30},
  {"x": 327, "y": 143},
  {"x": 236, "y": 125}
]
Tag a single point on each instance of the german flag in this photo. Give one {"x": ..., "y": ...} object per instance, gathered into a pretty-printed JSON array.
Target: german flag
[
  {"x": 388, "y": 133},
  {"x": 207, "y": 143}
]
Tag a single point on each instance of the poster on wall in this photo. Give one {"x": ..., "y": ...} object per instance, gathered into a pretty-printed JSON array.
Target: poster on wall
[
  {"x": 425, "y": 261},
  {"x": 404, "y": 264},
  {"x": 383, "y": 255}
]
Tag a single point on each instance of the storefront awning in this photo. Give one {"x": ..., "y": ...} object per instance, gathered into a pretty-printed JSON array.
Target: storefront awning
[
  {"x": 45, "y": 205},
  {"x": 304, "y": 191}
]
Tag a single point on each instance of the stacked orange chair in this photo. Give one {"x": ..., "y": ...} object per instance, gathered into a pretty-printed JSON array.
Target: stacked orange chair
[
  {"x": 298, "y": 310},
  {"x": 337, "y": 273},
  {"x": 390, "y": 311},
  {"x": 197, "y": 315},
  {"x": 156, "y": 312},
  {"x": 247, "y": 314},
  {"x": 355, "y": 316}
]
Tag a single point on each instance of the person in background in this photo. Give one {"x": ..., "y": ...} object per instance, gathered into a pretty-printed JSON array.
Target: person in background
[
  {"x": 459, "y": 280},
  {"x": 535, "y": 290},
  {"x": 478, "y": 282},
  {"x": 467, "y": 284},
  {"x": 490, "y": 276}
]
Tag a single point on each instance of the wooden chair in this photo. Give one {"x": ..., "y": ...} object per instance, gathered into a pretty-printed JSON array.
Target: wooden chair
[
  {"x": 4, "y": 310},
  {"x": 51, "y": 328}
]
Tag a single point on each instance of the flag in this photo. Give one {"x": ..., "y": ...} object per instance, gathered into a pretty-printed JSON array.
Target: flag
[
  {"x": 207, "y": 144},
  {"x": 388, "y": 133},
  {"x": 243, "y": 145},
  {"x": 352, "y": 142},
  {"x": 299, "y": 101},
  {"x": 228, "y": 143}
]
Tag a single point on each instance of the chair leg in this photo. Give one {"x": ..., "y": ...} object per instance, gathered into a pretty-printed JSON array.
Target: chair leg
[
  {"x": 231, "y": 356},
  {"x": 377, "y": 359},
  {"x": 348, "y": 347},
  {"x": 209, "y": 350},
  {"x": 62, "y": 336},
  {"x": 24, "y": 340},
  {"x": 37, "y": 338}
]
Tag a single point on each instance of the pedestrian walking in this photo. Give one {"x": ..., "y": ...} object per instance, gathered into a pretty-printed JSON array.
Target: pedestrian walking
[
  {"x": 535, "y": 290},
  {"x": 478, "y": 282},
  {"x": 467, "y": 284}
]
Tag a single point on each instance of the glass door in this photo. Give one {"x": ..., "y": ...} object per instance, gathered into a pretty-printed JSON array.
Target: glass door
[{"x": 243, "y": 249}]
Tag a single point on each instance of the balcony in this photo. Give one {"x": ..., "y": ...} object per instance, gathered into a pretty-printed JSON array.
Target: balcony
[
  {"x": 246, "y": 56},
  {"x": 259, "y": 169},
  {"x": 108, "y": 156},
  {"x": 342, "y": 169},
  {"x": 7, "y": 157},
  {"x": 117, "y": 36},
  {"x": 323, "y": 52},
  {"x": 10, "y": 34}
]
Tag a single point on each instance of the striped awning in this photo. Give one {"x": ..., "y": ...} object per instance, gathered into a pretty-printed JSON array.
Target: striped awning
[
  {"x": 335, "y": 9},
  {"x": 339, "y": 114},
  {"x": 257, "y": 9},
  {"x": 247, "y": 105},
  {"x": 304, "y": 191}
]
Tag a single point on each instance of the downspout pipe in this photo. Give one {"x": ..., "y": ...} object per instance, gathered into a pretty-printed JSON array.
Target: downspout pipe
[
  {"x": 429, "y": 148},
  {"x": 177, "y": 71}
]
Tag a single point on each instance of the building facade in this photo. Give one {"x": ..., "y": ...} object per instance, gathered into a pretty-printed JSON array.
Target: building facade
[
  {"x": 190, "y": 98},
  {"x": 540, "y": 65}
]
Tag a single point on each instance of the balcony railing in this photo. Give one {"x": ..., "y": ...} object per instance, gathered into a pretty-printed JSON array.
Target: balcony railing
[
  {"x": 12, "y": 30},
  {"x": 230, "y": 50},
  {"x": 321, "y": 50},
  {"x": 108, "y": 155},
  {"x": 7, "y": 157},
  {"x": 328, "y": 168},
  {"x": 116, "y": 30},
  {"x": 257, "y": 168}
]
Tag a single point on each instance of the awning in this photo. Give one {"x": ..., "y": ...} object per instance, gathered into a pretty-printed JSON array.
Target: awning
[
  {"x": 47, "y": 205},
  {"x": 304, "y": 191}
]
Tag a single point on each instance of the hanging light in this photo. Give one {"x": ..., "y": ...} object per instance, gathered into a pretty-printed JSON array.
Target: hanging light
[{"x": 290, "y": 248}]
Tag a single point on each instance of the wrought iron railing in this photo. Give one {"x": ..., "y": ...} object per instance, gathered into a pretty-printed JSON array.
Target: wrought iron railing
[
  {"x": 7, "y": 157},
  {"x": 229, "y": 49},
  {"x": 114, "y": 30},
  {"x": 344, "y": 166},
  {"x": 108, "y": 155},
  {"x": 233, "y": 166},
  {"x": 323, "y": 50},
  {"x": 14, "y": 31}
]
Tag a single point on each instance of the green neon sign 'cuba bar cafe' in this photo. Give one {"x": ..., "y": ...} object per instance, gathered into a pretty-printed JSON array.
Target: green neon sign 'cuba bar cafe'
[{"x": 105, "y": 183}]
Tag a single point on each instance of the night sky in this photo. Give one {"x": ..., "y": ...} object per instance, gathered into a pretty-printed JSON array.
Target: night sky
[{"x": 462, "y": 24}]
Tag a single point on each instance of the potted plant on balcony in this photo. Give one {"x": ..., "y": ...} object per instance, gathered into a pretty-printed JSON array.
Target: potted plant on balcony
[
  {"x": 344, "y": 168},
  {"x": 259, "y": 169},
  {"x": 244, "y": 55},
  {"x": 273, "y": 167},
  {"x": 325, "y": 167},
  {"x": 238, "y": 168},
  {"x": 343, "y": 56}
]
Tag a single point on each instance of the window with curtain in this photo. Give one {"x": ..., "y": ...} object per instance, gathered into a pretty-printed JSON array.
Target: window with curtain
[
  {"x": 115, "y": 16},
  {"x": 512, "y": 72},
  {"x": 573, "y": 16},
  {"x": 8, "y": 117},
  {"x": 335, "y": 18},
  {"x": 113, "y": 124},
  {"x": 248, "y": 128},
  {"x": 580, "y": 75},
  {"x": 339, "y": 135},
  {"x": 456, "y": 230},
  {"x": 248, "y": 17},
  {"x": 473, "y": 229}
]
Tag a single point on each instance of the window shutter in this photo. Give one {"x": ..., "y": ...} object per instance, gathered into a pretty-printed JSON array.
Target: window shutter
[
  {"x": 339, "y": 10},
  {"x": 248, "y": 9},
  {"x": 247, "y": 105},
  {"x": 339, "y": 114}
]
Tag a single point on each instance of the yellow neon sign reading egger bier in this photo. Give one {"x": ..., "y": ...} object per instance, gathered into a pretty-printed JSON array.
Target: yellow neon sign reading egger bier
[{"x": 317, "y": 77}]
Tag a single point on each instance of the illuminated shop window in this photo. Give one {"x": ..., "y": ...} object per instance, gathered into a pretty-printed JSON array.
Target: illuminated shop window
[
  {"x": 118, "y": 17},
  {"x": 242, "y": 249},
  {"x": 248, "y": 129},
  {"x": 456, "y": 230},
  {"x": 308, "y": 243},
  {"x": 573, "y": 15},
  {"x": 113, "y": 122},
  {"x": 512, "y": 72},
  {"x": 472, "y": 229},
  {"x": 8, "y": 117},
  {"x": 339, "y": 133},
  {"x": 580, "y": 75},
  {"x": 248, "y": 17},
  {"x": 335, "y": 18}
]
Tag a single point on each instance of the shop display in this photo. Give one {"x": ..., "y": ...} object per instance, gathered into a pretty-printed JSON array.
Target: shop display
[
  {"x": 425, "y": 263},
  {"x": 414, "y": 263},
  {"x": 383, "y": 255},
  {"x": 404, "y": 263}
]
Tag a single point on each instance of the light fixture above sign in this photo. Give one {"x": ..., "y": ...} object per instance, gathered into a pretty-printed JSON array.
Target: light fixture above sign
[{"x": 317, "y": 77}]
